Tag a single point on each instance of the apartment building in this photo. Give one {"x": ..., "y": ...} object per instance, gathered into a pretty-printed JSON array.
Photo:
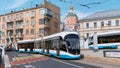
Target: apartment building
[
  {"x": 103, "y": 21},
  {"x": 30, "y": 23}
]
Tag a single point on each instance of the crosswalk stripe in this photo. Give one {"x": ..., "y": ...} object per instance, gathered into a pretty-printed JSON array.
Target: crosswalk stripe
[
  {"x": 25, "y": 57},
  {"x": 20, "y": 58},
  {"x": 13, "y": 59},
  {"x": 17, "y": 59}
]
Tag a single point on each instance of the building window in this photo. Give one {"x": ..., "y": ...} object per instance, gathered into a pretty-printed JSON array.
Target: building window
[
  {"x": 45, "y": 11},
  {"x": 32, "y": 31},
  {"x": 42, "y": 11},
  {"x": 117, "y": 22},
  {"x": 3, "y": 26},
  {"x": 56, "y": 25},
  {"x": 102, "y": 24},
  {"x": 32, "y": 13},
  {"x": 56, "y": 15},
  {"x": 41, "y": 31},
  {"x": 87, "y": 35},
  {"x": 3, "y": 19},
  {"x": 8, "y": 17},
  {"x": 21, "y": 15},
  {"x": 87, "y": 25},
  {"x": 95, "y": 24},
  {"x": 27, "y": 23},
  {"x": 48, "y": 11},
  {"x": 41, "y": 21},
  {"x": 17, "y": 16},
  {"x": 12, "y": 17},
  {"x": 27, "y": 31},
  {"x": 109, "y": 23},
  {"x": 27, "y": 14},
  {"x": 32, "y": 22},
  {"x": 19, "y": 23}
]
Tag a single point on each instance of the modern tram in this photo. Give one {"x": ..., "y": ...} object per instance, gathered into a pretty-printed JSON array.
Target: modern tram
[
  {"x": 108, "y": 40},
  {"x": 64, "y": 45}
]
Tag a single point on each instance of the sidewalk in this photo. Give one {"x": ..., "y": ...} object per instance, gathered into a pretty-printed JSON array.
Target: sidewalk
[
  {"x": 7, "y": 62},
  {"x": 98, "y": 57}
]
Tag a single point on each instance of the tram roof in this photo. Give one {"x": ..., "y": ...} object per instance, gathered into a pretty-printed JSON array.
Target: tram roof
[
  {"x": 62, "y": 34},
  {"x": 25, "y": 41},
  {"x": 109, "y": 33}
]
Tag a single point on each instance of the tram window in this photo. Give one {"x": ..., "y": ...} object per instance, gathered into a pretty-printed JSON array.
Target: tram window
[
  {"x": 54, "y": 43},
  {"x": 28, "y": 45},
  {"x": 21, "y": 46},
  {"x": 63, "y": 48},
  {"x": 40, "y": 43}
]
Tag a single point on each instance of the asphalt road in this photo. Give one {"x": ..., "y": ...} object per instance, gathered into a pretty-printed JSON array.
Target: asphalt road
[
  {"x": 16, "y": 54},
  {"x": 51, "y": 62},
  {"x": 54, "y": 63}
]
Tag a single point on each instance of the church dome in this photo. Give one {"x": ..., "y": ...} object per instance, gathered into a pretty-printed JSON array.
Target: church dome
[{"x": 71, "y": 14}]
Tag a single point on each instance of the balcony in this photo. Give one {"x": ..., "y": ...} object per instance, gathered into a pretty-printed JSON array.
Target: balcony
[
  {"x": 19, "y": 27},
  {"x": 19, "y": 36},
  {"x": 48, "y": 15},
  {"x": 10, "y": 20},
  {"x": 10, "y": 28},
  {"x": 19, "y": 18},
  {"x": 10, "y": 25}
]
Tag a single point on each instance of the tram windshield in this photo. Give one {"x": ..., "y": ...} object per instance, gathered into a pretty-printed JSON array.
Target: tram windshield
[{"x": 73, "y": 44}]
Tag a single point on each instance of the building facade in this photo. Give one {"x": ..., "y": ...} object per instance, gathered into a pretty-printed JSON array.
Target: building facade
[
  {"x": 71, "y": 21},
  {"x": 30, "y": 23},
  {"x": 100, "y": 22}
]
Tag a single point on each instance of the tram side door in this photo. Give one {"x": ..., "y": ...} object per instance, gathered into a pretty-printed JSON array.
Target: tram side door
[
  {"x": 31, "y": 47},
  {"x": 42, "y": 46},
  {"x": 25, "y": 46},
  {"x": 57, "y": 43},
  {"x": 58, "y": 51},
  {"x": 47, "y": 44}
]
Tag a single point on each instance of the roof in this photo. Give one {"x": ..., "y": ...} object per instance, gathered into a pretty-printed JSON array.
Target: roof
[
  {"x": 26, "y": 41},
  {"x": 71, "y": 14},
  {"x": 109, "y": 33},
  {"x": 62, "y": 34},
  {"x": 104, "y": 14}
]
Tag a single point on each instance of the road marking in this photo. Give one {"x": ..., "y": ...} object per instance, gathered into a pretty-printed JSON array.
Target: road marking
[
  {"x": 29, "y": 66},
  {"x": 13, "y": 59},
  {"x": 17, "y": 59},
  {"x": 68, "y": 63}
]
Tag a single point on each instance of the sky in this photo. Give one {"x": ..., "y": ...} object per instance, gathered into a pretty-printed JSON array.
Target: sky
[{"x": 7, "y": 5}]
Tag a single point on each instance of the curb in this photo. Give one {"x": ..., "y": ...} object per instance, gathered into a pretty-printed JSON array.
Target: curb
[{"x": 103, "y": 60}]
